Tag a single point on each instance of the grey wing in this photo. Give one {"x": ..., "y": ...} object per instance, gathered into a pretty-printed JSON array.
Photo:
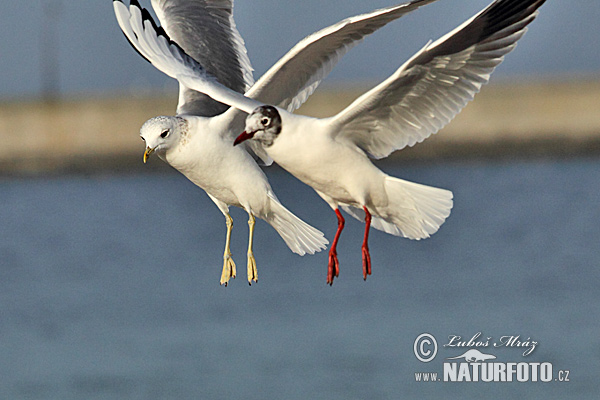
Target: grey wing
[
  {"x": 153, "y": 44},
  {"x": 206, "y": 31},
  {"x": 297, "y": 74},
  {"x": 436, "y": 83}
]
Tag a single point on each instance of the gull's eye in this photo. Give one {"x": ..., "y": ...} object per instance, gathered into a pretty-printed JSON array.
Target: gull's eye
[
  {"x": 265, "y": 121},
  {"x": 164, "y": 133},
  {"x": 141, "y": 137}
]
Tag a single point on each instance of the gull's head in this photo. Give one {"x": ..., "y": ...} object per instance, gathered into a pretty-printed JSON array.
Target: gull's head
[
  {"x": 263, "y": 124},
  {"x": 162, "y": 134}
]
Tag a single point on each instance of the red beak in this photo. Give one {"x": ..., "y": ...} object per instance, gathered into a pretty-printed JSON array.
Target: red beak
[{"x": 243, "y": 137}]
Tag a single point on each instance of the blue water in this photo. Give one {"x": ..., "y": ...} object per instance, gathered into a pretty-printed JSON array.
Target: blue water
[{"x": 109, "y": 290}]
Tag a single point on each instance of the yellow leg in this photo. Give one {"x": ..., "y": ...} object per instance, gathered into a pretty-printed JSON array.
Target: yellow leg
[
  {"x": 252, "y": 271},
  {"x": 228, "y": 264}
]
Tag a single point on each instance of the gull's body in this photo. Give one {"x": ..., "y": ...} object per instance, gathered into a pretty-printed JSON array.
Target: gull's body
[
  {"x": 344, "y": 176},
  {"x": 198, "y": 141},
  {"x": 330, "y": 167},
  {"x": 230, "y": 178},
  {"x": 239, "y": 181}
]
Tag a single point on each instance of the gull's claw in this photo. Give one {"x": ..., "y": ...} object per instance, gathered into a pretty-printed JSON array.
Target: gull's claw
[
  {"x": 333, "y": 269},
  {"x": 366, "y": 262},
  {"x": 365, "y": 246},
  {"x": 252, "y": 270},
  {"x": 229, "y": 270}
]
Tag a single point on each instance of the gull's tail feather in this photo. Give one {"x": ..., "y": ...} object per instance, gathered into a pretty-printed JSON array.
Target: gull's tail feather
[
  {"x": 300, "y": 237},
  {"x": 414, "y": 211}
]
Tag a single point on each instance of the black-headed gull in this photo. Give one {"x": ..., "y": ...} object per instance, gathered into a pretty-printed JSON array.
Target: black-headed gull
[
  {"x": 331, "y": 154},
  {"x": 198, "y": 141}
]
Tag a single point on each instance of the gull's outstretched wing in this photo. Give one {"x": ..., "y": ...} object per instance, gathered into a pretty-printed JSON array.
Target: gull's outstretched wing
[
  {"x": 298, "y": 73},
  {"x": 206, "y": 31},
  {"x": 436, "y": 83},
  {"x": 154, "y": 45}
]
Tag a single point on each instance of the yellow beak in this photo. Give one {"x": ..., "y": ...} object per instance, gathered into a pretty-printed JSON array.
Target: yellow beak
[{"x": 147, "y": 153}]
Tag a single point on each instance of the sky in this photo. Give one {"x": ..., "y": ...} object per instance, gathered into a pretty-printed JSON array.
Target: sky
[{"x": 93, "y": 57}]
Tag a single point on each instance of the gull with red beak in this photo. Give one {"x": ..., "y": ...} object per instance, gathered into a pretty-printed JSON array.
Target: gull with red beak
[{"x": 332, "y": 154}]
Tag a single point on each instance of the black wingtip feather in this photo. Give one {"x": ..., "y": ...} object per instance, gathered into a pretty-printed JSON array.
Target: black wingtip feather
[
  {"x": 134, "y": 3},
  {"x": 497, "y": 16},
  {"x": 146, "y": 16},
  {"x": 503, "y": 14}
]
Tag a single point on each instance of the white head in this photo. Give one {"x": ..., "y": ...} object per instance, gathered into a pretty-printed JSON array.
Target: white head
[
  {"x": 263, "y": 124},
  {"x": 162, "y": 133}
]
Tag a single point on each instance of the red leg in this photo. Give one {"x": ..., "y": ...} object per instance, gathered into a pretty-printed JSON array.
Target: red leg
[
  {"x": 365, "y": 246},
  {"x": 333, "y": 269}
]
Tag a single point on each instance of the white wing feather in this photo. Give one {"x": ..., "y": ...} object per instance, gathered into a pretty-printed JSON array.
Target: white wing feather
[
  {"x": 290, "y": 82},
  {"x": 153, "y": 44},
  {"x": 436, "y": 83}
]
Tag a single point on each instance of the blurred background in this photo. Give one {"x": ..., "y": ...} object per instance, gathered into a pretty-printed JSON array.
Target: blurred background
[{"x": 109, "y": 268}]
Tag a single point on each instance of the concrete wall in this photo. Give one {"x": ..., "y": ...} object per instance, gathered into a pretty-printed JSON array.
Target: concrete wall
[
  {"x": 103, "y": 132},
  {"x": 506, "y": 120},
  {"x": 64, "y": 134}
]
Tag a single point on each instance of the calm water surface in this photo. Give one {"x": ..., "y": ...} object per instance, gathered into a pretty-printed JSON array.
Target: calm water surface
[{"x": 109, "y": 289}]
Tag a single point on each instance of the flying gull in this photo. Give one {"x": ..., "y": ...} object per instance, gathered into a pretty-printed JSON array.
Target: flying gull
[
  {"x": 199, "y": 39},
  {"x": 423, "y": 95}
]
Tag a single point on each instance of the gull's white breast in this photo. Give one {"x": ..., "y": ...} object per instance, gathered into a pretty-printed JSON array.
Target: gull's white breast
[
  {"x": 212, "y": 162},
  {"x": 339, "y": 169}
]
